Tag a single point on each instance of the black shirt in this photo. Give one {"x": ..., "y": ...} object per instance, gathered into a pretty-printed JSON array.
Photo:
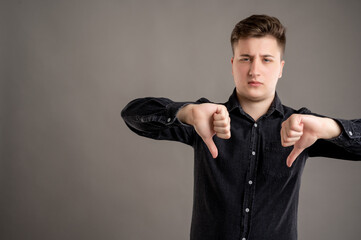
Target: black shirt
[{"x": 247, "y": 192}]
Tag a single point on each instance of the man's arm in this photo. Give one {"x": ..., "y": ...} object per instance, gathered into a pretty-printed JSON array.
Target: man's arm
[
  {"x": 163, "y": 119},
  {"x": 156, "y": 118},
  {"x": 302, "y": 131}
]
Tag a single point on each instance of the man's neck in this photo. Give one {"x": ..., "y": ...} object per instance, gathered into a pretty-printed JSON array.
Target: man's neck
[{"x": 255, "y": 109}]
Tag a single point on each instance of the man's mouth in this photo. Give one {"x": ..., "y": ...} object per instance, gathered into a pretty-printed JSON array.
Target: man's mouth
[{"x": 255, "y": 83}]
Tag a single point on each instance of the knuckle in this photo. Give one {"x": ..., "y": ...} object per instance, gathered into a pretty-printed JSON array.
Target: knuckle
[
  {"x": 288, "y": 134},
  {"x": 223, "y": 124}
]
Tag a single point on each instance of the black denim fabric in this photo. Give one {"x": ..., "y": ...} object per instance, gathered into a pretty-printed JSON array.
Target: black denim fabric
[{"x": 247, "y": 192}]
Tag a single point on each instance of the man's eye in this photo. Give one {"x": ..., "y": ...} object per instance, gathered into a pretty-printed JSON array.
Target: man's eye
[
  {"x": 244, "y": 59},
  {"x": 267, "y": 60}
]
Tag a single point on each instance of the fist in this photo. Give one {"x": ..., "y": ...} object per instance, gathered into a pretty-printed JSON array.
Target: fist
[
  {"x": 300, "y": 131},
  {"x": 209, "y": 120}
]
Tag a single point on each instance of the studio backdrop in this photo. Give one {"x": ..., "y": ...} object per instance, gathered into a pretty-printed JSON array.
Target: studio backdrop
[{"x": 71, "y": 169}]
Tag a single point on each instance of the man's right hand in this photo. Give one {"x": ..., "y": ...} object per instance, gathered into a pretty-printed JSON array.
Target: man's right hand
[{"x": 208, "y": 119}]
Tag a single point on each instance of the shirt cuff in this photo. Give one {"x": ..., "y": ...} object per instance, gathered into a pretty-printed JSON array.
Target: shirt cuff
[
  {"x": 348, "y": 132},
  {"x": 172, "y": 110}
]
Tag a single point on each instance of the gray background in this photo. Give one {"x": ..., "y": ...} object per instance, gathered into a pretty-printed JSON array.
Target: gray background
[{"x": 70, "y": 168}]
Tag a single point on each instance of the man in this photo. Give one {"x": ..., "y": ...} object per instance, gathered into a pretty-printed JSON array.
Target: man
[{"x": 250, "y": 151}]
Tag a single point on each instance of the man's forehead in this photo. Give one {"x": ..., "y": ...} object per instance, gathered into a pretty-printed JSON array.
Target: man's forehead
[{"x": 258, "y": 45}]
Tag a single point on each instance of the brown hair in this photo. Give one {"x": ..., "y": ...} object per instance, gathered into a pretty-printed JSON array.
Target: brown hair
[{"x": 259, "y": 26}]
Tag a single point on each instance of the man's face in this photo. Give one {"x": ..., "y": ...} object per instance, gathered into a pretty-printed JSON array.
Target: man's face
[{"x": 256, "y": 68}]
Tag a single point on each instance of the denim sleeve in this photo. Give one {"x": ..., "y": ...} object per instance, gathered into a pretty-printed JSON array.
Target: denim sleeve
[
  {"x": 346, "y": 146},
  {"x": 156, "y": 118}
]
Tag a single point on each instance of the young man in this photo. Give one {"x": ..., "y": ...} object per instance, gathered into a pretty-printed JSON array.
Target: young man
[{"x": 250, "y": 151}]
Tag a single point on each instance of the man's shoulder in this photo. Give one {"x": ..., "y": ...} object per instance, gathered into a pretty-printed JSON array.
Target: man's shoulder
[{"x": 204, "y": 100}]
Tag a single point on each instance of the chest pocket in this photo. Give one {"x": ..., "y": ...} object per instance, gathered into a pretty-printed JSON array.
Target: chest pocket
[{"x": 274, "y": 160}]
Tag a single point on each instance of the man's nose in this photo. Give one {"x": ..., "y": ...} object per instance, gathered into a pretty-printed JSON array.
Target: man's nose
[{"x": 255, "y": 68}]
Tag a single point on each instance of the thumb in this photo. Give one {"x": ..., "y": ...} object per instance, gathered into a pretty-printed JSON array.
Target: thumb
[
  {"x": 293, "y": 155},
  {"x": 211, "y": 146}
]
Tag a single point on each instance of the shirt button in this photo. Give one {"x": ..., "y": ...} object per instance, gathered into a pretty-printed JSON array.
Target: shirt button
[
  {"x": 250, "y": 182},
  {"x": 253, "y": 153},
  {"x": 255, "y": 125},
  {"x": 243, "y": 238},
  {"x": 169, "y": 119},
  {"x": 350, "y": 133},
  {"x": 247, "y": 209}
]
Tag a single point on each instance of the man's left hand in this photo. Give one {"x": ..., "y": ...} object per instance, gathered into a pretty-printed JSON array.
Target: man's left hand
[{"x": 302, "y": 131}]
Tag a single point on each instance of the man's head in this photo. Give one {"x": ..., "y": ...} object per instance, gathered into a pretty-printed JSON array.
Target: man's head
[
  {"x": 259, "y": 26},
  {"x": 258, "y": 44}
]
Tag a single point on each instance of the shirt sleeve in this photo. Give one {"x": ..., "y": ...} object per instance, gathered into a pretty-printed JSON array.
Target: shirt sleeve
[
  {"x": 346, "y": 146},
  {"x": 156, "y": 118}
]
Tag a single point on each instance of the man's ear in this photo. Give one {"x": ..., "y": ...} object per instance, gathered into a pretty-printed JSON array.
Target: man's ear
[
  {"x": 232, "y": 64},
  {"x": 281, "y": 70}
]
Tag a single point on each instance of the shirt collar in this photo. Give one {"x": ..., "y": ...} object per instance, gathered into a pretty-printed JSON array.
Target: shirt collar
[{"x": 233, "y": 103}]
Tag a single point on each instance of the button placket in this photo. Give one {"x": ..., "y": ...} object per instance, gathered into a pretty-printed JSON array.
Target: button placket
[{"x": 249, "y": 191}]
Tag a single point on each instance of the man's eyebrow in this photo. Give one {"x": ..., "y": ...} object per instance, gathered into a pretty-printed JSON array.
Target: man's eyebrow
[
  {"x": 268, "y": 55},
  {"x": 264, "y": 55}
]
